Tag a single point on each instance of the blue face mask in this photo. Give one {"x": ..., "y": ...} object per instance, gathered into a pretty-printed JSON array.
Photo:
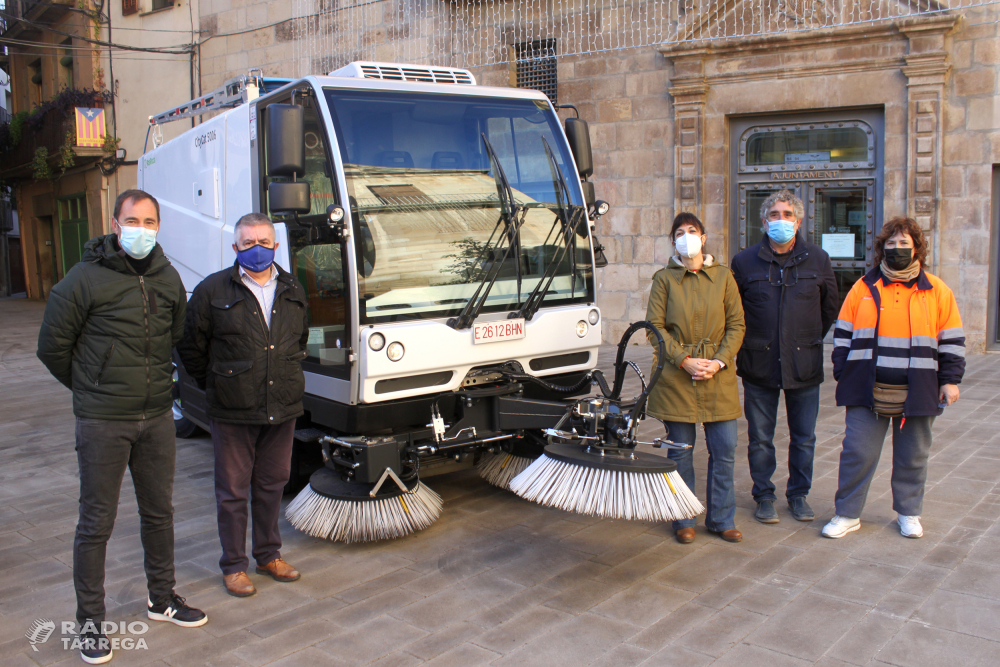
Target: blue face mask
[
  {"x": 780, "y": 231},
  {"x": 137, "y": 242},
  {"x": 255, "y": 258}
]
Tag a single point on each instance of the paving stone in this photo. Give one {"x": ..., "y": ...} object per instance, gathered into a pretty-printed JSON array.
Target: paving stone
[
  {"x": 580, "y": 640},
  {"x": 457, "y": 602},
  {"x": 767, "y": 597},
  {"x": 678, "y": 656},
  {"x": 808, "y": 626},
  {"x": 623, "y": 655},
  {"x": 961, "y": 613},
  {"x": 725, "y": 591},
  {"x": 859, "y": 581},
  {"x": 917, "y": 645},
  {"x": 466, "y": 655},
  {"x": 748, "y": 655},
  {"x": 721, "y": 631},
  {"x": 703, "y": 568},
  {"x": 643, "y": 603},
  {"x": 437, "y": 643},
  {"x": 370, "y": 641},
  {"x": 521, "y": 629},
  {"x": 373, "y": 607},
  {"x": 977, "y": 579}
]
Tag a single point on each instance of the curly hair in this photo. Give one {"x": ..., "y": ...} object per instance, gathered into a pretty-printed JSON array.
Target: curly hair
[
  {"x": 787, "y": 196},
  {"x": 907, "y": 226}
]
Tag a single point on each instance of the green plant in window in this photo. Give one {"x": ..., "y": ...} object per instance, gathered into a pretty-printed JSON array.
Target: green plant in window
[
  {"x": 40, "y": 169},
  {"x": 66, "y": 155},
  {"x": 17, "y": 127},
  {"x": 110, "y": 144}
]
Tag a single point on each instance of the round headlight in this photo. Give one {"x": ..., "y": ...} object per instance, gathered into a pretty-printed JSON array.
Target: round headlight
[
  {"x": 582, "y": 328},
  {"x": 376, "y": 341},
  {"x": 395, "y": 351},
  {"x": 594, "y": 317},
  {"x": 602, "y": 207}
]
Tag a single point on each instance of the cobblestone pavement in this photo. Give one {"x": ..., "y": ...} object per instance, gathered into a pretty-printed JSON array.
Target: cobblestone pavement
[{"x": 501, "y": 581}]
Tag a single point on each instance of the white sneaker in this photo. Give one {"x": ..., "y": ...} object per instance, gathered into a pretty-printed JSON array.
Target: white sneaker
[
  {"x": 910, "y": 526},
  {"x": 840, "y": 526}
]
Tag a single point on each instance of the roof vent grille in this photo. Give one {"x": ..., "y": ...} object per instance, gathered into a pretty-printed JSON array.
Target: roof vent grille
[{"x": 399, "y": 72}]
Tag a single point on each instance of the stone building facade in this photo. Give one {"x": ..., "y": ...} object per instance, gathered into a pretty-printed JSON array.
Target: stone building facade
[{"x": 670, "y": 128}]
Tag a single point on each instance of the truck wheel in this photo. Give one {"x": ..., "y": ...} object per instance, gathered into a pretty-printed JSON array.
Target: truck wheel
[{"x": 183, "y": 427}]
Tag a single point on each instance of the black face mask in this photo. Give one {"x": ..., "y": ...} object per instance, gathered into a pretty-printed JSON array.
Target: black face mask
[{"x": 898, "y": 259}]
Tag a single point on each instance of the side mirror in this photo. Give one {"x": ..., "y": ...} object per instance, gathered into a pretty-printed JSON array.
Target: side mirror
[
  {"x": 578, "y": 135},
  {"x": 288, "y": 197},
  {"x": 286, "y": 140}
]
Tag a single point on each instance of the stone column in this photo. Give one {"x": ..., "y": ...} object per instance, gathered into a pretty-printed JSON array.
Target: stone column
[
  {"x": 690, "y": 92},
  {"x": 926, "y": 69}
]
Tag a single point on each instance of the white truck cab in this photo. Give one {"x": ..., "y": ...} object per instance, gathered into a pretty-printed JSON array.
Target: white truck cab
[{"x": 442, "y": 231}]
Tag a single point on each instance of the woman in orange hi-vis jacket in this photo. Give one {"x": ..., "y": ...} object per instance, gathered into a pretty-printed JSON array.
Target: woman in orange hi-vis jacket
[{"x": 898, "y": 356}]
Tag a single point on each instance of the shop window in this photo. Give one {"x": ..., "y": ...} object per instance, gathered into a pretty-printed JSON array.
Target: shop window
[{"x": 536, "y": 67}]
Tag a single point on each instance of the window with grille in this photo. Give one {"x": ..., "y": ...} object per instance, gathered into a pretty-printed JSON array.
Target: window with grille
[
  {"x": 130, "y": 7},
  {"x": 536, "y": 67},
  {"x": 162, "y": 4}
]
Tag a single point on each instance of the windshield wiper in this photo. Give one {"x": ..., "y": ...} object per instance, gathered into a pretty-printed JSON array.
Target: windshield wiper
[
  {"x": 570, "y": 216},
  {"x": 510, "y": 213}
]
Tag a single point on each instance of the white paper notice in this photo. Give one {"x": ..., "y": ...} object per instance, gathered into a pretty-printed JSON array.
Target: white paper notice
[{"x": 839, "y": 245}]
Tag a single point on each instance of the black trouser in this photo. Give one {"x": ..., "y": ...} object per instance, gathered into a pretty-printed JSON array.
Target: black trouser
[
  {"x": 252, "y": 461},
  {"x": 104, "y": 449}
]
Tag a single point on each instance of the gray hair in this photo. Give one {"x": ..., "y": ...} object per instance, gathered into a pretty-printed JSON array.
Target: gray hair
[
  {"x": 252, "y": 220},
  {"x": 787, "y": 196}
]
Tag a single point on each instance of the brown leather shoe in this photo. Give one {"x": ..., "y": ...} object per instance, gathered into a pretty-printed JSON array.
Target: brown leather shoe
[
  {"x": 279, "y": 570},
  {"x": 239, "y": 585},
  {"x": 731, "y": 535},
  {"x": 685, "y": 535}
]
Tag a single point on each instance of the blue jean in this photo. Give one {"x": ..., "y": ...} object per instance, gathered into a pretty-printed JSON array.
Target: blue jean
[
  {"x": 863, "y": 440},
  {"x": 760, "y": 404},
  {"x": 720, "y": 496}
]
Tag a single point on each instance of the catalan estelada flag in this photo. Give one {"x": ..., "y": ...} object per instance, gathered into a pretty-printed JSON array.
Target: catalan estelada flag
[{"x": 89, "y": 127}]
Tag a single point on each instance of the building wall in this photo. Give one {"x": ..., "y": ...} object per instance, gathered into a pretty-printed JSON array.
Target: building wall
[
  {"x": 660, "y": 129},
  {"x": 148, "y": 83},
  {"x": 264, "y": 39}
]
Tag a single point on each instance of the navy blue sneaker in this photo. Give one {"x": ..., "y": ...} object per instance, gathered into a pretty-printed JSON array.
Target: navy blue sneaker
[
  {"x": 171, "y": 608},
  {"x": 800, "y": 509},
  {"x": 766, "y": 513},
  {"x": 95, "y": 647}
]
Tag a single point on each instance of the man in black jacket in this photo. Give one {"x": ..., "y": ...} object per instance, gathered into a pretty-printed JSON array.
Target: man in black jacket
[
  {"x": 790, "y": 301},
  {"x": 244, "y": 341},
  {"x": 108, "y": 331}
]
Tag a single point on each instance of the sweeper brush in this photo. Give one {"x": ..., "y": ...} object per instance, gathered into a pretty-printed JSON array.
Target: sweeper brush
[
  {"x": 499, "y": 469},
  {"x": 332, "y": 509},
  {"x": 593, "y": 468}
]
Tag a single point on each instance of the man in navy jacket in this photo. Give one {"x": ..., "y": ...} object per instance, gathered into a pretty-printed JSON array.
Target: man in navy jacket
[{"x": 790, "y": 301}]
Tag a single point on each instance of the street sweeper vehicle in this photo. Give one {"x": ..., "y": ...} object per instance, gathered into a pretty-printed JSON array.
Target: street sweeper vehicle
[{"x": 443, "y": 232}]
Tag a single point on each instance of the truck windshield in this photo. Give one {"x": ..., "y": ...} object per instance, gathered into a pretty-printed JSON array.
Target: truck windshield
[{"x": 425, "y": 206}]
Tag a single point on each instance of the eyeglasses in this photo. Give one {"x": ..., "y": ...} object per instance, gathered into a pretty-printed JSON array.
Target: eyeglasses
[{"x": 783, "y": 280}]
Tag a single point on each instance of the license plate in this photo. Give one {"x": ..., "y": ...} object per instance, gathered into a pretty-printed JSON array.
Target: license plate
[{"x": 494, "y": 332}]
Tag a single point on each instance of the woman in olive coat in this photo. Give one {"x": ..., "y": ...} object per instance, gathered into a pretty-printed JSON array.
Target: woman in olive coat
[{"x": 696, "y": 305}]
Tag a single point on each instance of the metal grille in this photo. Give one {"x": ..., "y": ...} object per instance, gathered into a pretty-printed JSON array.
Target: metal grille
[
  {"x": 536, "y": 67},
  {"x": 328, "y": 34}
]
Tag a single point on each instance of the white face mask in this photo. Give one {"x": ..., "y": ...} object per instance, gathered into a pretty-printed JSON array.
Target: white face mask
[{"x": 688, "y": 245}]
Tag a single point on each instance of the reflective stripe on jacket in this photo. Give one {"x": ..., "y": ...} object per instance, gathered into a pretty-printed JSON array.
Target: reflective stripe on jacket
[{"x": 933, "y": 351}]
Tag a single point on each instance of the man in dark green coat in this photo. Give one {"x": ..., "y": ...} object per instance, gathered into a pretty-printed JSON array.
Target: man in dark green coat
[{"x": 108, "y": 333}]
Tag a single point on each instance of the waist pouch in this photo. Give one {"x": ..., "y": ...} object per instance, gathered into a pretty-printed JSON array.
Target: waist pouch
[{"x": 889, "y": 399}]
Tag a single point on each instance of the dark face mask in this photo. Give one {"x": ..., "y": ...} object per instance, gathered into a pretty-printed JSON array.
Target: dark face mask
[{"x": 898, "y": 259}]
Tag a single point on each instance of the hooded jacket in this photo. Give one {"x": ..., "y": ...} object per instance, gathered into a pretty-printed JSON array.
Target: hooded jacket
[
  {"x": 788, "y": 312},
  {"x": 108, "y": 333},
  {"x": 699, "y": 315}
]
